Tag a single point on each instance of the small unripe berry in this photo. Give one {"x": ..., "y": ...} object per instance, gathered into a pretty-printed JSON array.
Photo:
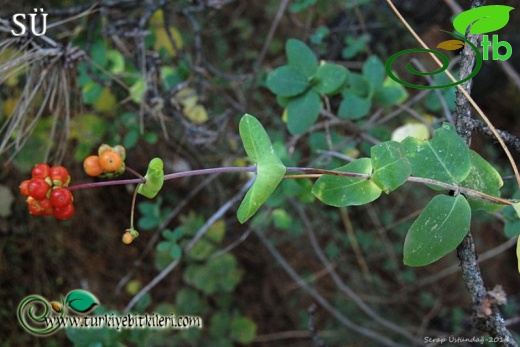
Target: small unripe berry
[{"x": 129, "y": 236}]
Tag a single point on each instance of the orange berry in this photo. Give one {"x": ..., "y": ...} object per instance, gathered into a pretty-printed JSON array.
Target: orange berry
[
  {"x": 92, "y": 166},
  {"x": 110, "y": 161},
  {"x": 24, "y": 187}
]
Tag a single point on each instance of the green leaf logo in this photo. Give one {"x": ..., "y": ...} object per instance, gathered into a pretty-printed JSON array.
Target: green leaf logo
[
  {"x": 81, "y": 301},
  {"x": 482, "y": 19}
]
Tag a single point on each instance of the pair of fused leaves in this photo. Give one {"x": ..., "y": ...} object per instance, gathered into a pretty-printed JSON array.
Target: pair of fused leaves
[
  {"x": 445, "y": 220},
  {"x": 269, "y": 168},
  {"x": 385, "y": 171},
  {"x": 154, "y": 179}
]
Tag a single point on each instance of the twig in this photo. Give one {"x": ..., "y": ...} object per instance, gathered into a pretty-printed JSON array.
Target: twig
[
  {"x": 319, "y": 298},
  {"x": 151, "y": 243},
  {"x": 316, "y": 339},
  {"x": 466, "y": 53},
  {"x": 488, "y": 321},
  {"x": 218, "y": 214},
  {"x": 346, "y": 289},
  {"x": 267, "y": 44},
  {"x": 347, "y": 224},
  {"x": 511, "y": 140},
  {"x": 491, "y": 323},
  {"x": 456, "y": 267}
]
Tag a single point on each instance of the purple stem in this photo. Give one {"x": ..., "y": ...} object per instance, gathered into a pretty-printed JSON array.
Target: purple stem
[{"x": 211, "y": 171}]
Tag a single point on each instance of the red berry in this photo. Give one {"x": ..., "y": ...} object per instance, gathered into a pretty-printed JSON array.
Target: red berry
[
  {"x": 61, "y": 197},
  {"x": 24, "y": 187},
  {"x": 59, "y": 176},
  {"x": 41, "y": 171},
  {"x": 39, "y": 207},
  {"x": 38, "y": 188},
  {"x": 34, "y": 207},
  {"x": 46, "y": 207},
  {"x": 64, "y": 212}
]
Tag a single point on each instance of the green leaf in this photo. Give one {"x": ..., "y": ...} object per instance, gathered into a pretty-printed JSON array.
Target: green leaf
[
  {"x": 301, "y": 57},
  {"x": 302, "y": 112},
  {"x": 98, "y": 53},
  {"x": 91, "y": 92},
  {"x": 116, "y": 61},
  {"x": 354, "y": 45},
  {"x": 484, "y": 178},
  {"x": 438, "y": 230},
  {"x": 360, "y": 85},
  {"x": 218, "y": 274},
  {"x": 137, "y": 90},
  {"x": 200, "y": 277},
  {"x": 444, "y": 158},
  {"x": 342, "y": 191},
  {"x": 89, "y": 130},
  {"x": 390, "y": 93},
  {"x": 287, "y": 81},
  {"x": 330, "y": 78},
  {"x": 512, "y": 223},
  {"x": 81, "y": 301},
  {"x": 154, "y": 179},
  {"x": 189, "y": 301},
  {"x": 516, "y": 206},
  {"x": 374, "y": 71},
  {"x": 391, "y": 168},
  {"x": 353, "y": 106},
  {"x": 206, "y": 246},
  {"x": 482, "y": 19},
  {"x": 300, "y": 5},
  {"x": 269, "y": 171},
  {"x": 281, "y": 219},
  {"x": 243, "y": 330}
]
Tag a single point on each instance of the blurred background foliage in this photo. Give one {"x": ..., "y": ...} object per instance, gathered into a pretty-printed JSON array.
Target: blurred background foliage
[{"x": 172, "y": 79}]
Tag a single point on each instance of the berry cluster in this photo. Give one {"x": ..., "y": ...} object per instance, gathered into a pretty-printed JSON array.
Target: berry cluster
[
  {"x": 110, "y": 162},
  {"x": 47, "y": 193}
]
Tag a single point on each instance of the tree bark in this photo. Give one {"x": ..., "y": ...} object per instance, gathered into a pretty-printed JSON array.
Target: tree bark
[{"x": 486, "y": 315}]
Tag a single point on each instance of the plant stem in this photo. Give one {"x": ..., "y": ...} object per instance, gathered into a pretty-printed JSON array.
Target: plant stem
[
  {"x": 134, "y": 198},
  {"x": 304, "y": 172},
  {"x": 106, "y": 183}
]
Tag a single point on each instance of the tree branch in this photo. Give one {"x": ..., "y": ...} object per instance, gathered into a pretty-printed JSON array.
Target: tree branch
[{"x": 486, "y": 316}]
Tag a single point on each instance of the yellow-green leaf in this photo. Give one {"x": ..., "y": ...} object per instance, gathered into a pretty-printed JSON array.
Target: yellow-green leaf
[
  {"x": 269, "y": 171},
  {"x": 154, "y": 179}
]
